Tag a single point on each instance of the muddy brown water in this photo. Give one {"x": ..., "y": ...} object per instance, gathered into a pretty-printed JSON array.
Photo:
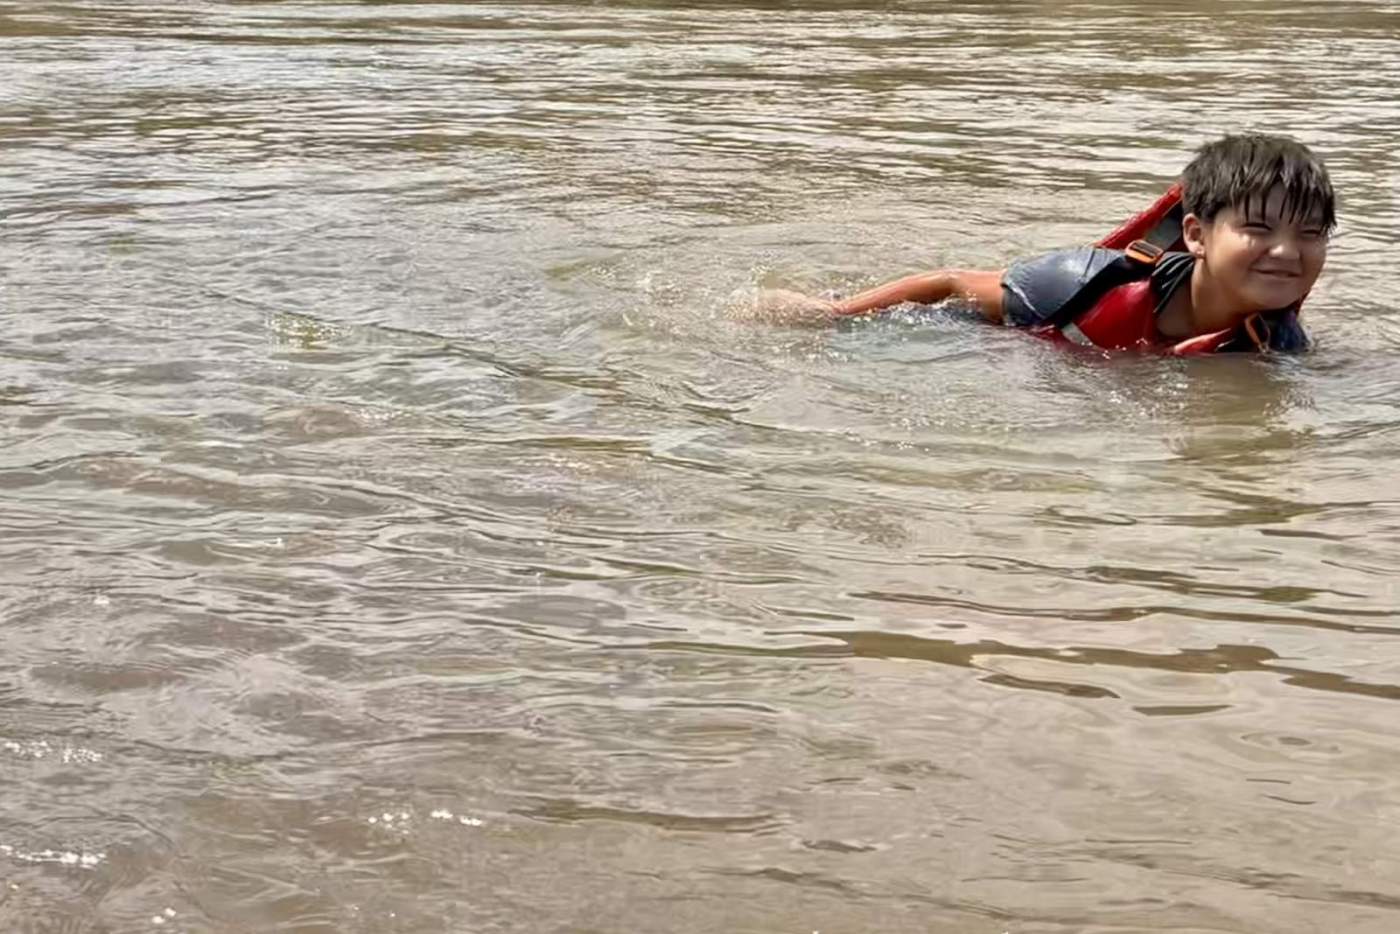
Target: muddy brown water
[{"x": 397, "y": 534}]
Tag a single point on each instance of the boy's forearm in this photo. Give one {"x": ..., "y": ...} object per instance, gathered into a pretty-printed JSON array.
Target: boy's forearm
[
  {"x": 923, "y": 288},
  {"x": 982, "y": 288}
]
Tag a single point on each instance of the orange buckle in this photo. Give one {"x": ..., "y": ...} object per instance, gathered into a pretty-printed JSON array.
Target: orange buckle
[
  {"x": 1252, "y": 325},
  {"x": 1144, "y": 252}
]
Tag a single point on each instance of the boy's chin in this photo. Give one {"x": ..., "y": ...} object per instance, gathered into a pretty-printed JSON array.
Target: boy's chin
[{"x": 1273, "y": 297}]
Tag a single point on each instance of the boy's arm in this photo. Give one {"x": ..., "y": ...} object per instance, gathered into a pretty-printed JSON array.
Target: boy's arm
[{"x": 981, "y": 288}]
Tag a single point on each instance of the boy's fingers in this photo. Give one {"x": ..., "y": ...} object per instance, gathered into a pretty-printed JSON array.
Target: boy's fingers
[{"x": 782, "y": 306}]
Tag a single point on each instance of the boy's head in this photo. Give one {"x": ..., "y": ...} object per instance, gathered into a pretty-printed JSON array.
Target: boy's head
[
  {"x": 1258, "y": 212},
  {"x": 1242, "y": 171}
]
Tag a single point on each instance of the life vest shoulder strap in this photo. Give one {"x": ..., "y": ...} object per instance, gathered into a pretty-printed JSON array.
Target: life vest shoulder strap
[
  {"x": 1159, "y": 224},
  {"x": 1137, "y": 262}
]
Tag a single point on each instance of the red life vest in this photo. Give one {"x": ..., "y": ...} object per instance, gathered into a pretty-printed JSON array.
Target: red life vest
[{"x": 1124, "y": 317}]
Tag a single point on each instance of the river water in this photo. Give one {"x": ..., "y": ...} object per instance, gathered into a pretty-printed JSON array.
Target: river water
[{"x": 400, "y": 533}]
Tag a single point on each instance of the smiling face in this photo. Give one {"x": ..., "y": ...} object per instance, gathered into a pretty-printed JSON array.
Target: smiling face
[{"x": 1261, "y": 255}]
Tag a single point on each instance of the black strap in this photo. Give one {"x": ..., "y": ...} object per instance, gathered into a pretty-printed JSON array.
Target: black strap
[
  {"x": 1136, "y": 263},
  {"x": 1167, "y": 233}
]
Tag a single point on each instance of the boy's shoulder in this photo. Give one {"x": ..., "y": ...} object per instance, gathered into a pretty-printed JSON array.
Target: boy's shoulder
[{"x": 1037, "y": 287}]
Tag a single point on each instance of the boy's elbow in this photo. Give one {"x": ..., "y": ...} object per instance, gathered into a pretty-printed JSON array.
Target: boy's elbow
[{"x": 980, "y": 288}]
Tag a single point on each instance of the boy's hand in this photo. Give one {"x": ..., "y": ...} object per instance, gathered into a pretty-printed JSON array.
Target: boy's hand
[{"x": 782, "y": 306}]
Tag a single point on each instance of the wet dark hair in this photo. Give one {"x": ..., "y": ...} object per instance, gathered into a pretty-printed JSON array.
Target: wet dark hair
[{"x": 1240, "y": 171}]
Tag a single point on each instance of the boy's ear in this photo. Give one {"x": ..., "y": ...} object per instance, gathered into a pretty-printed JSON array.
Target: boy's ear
[{"x": 1193, "y": 233}]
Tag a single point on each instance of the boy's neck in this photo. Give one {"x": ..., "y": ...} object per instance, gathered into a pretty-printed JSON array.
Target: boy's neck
[{"x": 1199, "y": 308}]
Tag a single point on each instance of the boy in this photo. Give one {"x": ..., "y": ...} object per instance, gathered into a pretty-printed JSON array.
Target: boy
[{"x": 1258, "y": 213}]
